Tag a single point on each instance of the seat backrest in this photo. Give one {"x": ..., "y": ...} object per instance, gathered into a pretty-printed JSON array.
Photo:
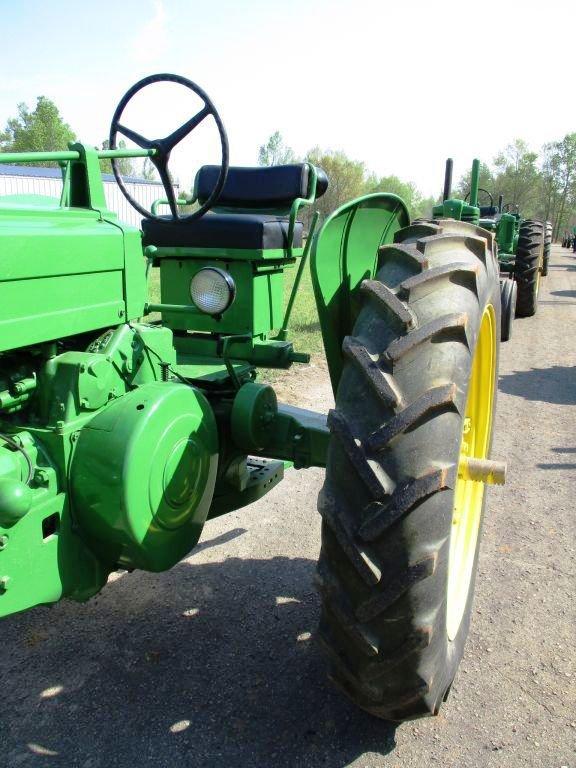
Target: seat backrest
[
  {"x": 270, "y": 187},
  {"x": 486, "y": 211}
]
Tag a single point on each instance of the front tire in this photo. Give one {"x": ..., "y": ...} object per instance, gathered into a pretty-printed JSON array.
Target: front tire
[
  {"x": 396, "y": 588},
  {"x": 508, "y": 294}
]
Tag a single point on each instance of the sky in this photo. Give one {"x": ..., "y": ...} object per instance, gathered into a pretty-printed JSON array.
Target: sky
[{"x": 398, "y": 85}]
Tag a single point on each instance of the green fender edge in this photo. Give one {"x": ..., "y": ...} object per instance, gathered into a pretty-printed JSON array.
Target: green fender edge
[{"x": 344, "y": 253}]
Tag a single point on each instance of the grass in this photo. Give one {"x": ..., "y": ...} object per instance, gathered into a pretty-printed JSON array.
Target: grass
[{"x": 304, "y": 328}]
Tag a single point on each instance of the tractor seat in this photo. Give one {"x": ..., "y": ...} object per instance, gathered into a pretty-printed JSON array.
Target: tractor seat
[
  {"x": 487, "y": 211},
  {"x": 252, "y": 211}
]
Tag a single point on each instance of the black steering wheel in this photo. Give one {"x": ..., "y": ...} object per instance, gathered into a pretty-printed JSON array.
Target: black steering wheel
[
  {"x": 165, "y": 146},
  {"x": 481, "y": 189}
]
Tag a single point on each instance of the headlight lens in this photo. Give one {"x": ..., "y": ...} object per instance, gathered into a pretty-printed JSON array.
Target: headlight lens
[{"x": 212, "y": 290}]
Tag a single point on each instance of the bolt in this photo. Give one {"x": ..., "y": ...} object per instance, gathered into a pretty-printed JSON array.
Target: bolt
[
  {"x": 41, "y": 477},
  {"x": 120, "y": 313},
  {"x": 3, "y": 542},
  {"x": 4, "y": 581}
]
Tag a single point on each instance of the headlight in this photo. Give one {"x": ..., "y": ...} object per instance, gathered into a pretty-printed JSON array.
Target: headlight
[{"x": 212, "y": 290}]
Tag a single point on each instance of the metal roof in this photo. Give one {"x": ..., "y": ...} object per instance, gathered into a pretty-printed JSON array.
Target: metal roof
[{"x": 55, "y": 173}]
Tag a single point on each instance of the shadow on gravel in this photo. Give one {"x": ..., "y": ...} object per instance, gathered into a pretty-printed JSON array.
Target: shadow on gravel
[
  {"x": 559, "y": 465},
  {"x": 567, "y": 294},
  {"x": 556, "y": 384},
  {"x": 556, "y": 466},
  {"x": 210, "y": 664}
]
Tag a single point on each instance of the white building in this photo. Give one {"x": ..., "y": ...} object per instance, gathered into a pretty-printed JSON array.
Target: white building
[{"x": 30, "y": 180}]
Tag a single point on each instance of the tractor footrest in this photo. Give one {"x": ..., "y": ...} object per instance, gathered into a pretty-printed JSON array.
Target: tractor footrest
[{"x": 264, "y": 474}]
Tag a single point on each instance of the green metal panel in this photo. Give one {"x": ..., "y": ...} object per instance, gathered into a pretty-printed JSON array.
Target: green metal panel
[
  {"x": 343, "y": 254},
  {"x": 42, "y": 557},
  {"x": 507, "y": 234},
  {"x": 63, "y": 307},
  {"x": 135, "y": 281},
  {"x": 61, "y": 273},
  {"x": 143, "y": 475},
  {"x": 257, "y": 308}
]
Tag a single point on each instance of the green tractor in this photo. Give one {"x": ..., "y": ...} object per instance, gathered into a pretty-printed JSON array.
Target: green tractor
[
  {"x": 523, "y": 245},
  {"x": 121, "y": 434}
]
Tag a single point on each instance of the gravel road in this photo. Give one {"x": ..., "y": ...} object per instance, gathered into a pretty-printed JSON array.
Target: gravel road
[{"x": 213, "y": 663}]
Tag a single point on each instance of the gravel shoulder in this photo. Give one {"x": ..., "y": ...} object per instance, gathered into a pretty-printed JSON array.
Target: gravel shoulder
[{"x": 214, "y": 663}]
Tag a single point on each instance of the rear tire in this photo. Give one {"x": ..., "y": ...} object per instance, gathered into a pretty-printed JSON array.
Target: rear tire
[
  {"x": 547, "y": 247},
  {"x": 389, "y": 493},
  {"x": 528, "y": 265}
]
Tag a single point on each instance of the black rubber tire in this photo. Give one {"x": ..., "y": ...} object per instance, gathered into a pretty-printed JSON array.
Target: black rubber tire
[
  {"x": 509, "y": 295},
  {"x": 529, "y": 254},
  {"x": 387, "y": 500},
  {"x": 547, "y": 247}
]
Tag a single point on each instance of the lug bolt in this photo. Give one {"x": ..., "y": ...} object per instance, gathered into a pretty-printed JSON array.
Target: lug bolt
[{"x": 41, "y": 476}]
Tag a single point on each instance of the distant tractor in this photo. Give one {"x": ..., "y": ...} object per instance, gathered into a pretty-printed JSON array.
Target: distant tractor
[
  {"x": 121, "y": 434},
  {"x": 523, "y": 245}
]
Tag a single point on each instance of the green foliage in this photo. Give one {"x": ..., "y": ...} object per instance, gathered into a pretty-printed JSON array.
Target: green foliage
[
  {"x": 518, "y": 177},
  {"x": 275, "y": 152},
  {"x": 346, "y": 178},
  {"x": 419, "y": 206},
  {"x": 486, "y": 181},
  {"x": 123, "y": 164},
  {"x": 557, "y": 198},
  {"x": 148, "y": 170},
  {"x": 40, "y": 130}
]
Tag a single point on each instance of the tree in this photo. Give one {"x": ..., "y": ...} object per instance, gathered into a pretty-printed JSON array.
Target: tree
[
  {"x": 346, "y": 178},
  {"x": 40, "y": 130},
  {"x": 486, "y": 181},
  {"x": 123, "y": 164},
  {"x": 560, "y": 173},
  {"x": 418, "y": 206},
  {"x": 148, "y": 170},
  {"x": 275, "y": 152},
  {"x": 518, "y": 177}
]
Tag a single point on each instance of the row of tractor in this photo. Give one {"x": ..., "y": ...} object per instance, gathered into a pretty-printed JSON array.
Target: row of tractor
[
  {"x": 569, "y": 240},
  {"x": 127, "y": 422},
  {"x": 522, "y": 245}
]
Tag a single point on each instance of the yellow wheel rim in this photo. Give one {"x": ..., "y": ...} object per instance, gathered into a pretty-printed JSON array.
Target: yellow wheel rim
[{"x": 469, "y": 494}]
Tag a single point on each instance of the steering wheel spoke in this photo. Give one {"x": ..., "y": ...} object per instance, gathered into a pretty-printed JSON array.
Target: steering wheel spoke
[
  {"x": 163, "y": 147},
  {"x": 180, "y": 133},
  {"x": 162, "y": 168},
  {"x": 133, "y": 136}
]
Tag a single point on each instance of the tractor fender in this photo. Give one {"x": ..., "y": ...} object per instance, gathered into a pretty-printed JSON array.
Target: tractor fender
[{"x": 344, "y": 253}]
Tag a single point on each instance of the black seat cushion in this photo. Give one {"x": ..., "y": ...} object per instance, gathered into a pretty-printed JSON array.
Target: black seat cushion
[
  {"x": 275, "y": 186},
  {"x": 223, "y": 230},
  {"x": 488, "y": 210}
]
